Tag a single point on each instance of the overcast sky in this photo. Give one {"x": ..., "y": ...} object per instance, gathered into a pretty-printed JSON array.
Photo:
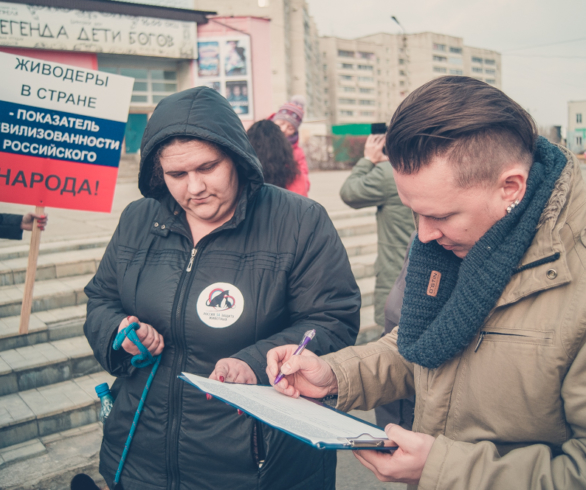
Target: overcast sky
[{"x": 542, "y": 79}]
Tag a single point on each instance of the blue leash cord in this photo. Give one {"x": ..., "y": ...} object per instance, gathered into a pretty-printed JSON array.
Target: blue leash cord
[{"x": 145, "y": 358}]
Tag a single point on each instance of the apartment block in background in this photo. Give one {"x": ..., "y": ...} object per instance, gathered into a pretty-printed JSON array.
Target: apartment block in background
[
  {"x": 576, "y": 134},
  {"x": 367, "y": 78}
]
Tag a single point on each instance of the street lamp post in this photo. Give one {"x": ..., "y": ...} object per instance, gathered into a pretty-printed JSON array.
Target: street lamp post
[{"x": 405, "y": 56}]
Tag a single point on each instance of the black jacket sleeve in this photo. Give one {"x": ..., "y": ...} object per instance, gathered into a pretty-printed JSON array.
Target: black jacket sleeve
[
  {"x": 105, "y": 312},
  {"x": 323, "y": 295},
  {"x": 10, "y": 226}
]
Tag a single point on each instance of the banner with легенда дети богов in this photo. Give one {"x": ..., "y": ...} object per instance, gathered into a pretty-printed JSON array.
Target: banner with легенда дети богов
[{"x": 61, "y": 133}]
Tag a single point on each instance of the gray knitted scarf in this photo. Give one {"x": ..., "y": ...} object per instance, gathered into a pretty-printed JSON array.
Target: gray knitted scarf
[{"x": 439, "y": 321}]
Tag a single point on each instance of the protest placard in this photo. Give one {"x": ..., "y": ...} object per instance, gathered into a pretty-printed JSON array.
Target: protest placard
[{"x": 61, "y": 133}]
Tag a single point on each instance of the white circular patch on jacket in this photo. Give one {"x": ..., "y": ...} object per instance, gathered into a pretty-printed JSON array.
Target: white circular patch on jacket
[{"x": 220, "y": 305}]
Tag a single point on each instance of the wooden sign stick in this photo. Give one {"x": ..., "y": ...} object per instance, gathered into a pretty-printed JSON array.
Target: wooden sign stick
[{"x": 31, "y": 272}]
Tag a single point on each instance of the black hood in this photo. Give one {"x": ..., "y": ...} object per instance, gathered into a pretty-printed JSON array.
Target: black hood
[{"x": 202, "y": 113}]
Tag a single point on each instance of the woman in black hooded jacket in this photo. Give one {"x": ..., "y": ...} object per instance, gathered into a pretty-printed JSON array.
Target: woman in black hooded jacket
[{"x": 218, "y": 268}]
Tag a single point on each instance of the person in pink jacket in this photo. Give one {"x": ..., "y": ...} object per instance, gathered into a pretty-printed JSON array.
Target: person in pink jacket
[{"x": 289, "y": 118}]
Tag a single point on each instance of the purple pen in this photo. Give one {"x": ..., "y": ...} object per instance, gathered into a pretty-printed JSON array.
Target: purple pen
[{"x": 306, "y": 338}]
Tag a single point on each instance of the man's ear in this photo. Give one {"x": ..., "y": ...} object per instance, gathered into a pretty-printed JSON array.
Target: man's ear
[{"x": 512, "y": 183}]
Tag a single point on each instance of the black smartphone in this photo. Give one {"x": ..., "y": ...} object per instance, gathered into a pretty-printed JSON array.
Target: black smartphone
[{"x": 378, "y": 128}]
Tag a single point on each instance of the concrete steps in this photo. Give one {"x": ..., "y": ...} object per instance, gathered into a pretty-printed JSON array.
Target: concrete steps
[
  {"x": 47, "y": 377},
  {"x": 50, "y": 409}
]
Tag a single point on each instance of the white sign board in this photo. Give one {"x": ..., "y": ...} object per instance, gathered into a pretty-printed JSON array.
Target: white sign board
[
  {"x": 29, "y": 26},
  {"x": 61, "y": 130}
]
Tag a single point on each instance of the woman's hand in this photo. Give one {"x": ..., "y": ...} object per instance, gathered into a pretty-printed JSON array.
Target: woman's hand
[
  {"x": 373, "y": 149},
  {"x": 234, "y": 371},
  {"x": 148, "y": 336},
  {"x": 305, "y": 374},
  {"x": 28, "y": 219}
]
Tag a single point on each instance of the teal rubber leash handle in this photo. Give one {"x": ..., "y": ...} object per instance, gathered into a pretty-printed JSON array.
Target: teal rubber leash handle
[{"x": 145, "y": 358}]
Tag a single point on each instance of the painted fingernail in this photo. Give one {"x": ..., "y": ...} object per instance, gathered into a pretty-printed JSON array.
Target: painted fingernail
[
  {"x": 240, "y": 412},
  {"x": 208, "y": 396},
  {"x": 221, "y": 379}
]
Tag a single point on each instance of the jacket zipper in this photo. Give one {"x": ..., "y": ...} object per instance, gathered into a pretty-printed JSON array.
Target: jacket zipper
[
  {"x": 484, "y": 333},
  {"x": 190, "y": 265},
  {"x": 176, "y": 388}
]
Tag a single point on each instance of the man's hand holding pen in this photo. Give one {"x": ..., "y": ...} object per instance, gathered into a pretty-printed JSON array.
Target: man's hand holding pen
[{"x": 305, "y": 374}]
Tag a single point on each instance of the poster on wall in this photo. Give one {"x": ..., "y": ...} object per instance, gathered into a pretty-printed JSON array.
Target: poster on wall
[{"x": 224, "y": 64}]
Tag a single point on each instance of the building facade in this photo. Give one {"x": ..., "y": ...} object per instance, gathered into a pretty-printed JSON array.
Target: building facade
[
  {"x": 576, "y": 134},
  {"x": 294, "y": 48},
  {"x": 367, "y": 78}
]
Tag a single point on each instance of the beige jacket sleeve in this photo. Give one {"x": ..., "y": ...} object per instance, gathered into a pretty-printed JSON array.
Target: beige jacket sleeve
[
  {"x": 371, "y": 375},
  {"x": 462, "y": 466}
]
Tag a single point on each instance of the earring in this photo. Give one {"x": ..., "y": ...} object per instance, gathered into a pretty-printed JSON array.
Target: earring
[{"x": 512, "y": 206}]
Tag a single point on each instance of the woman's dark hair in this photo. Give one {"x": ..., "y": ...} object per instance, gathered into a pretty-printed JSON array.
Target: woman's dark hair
[
  {"x": 478, "y": 128},
  {"x": 274, "y": 152},
  {"x": 157, "y": 182}
]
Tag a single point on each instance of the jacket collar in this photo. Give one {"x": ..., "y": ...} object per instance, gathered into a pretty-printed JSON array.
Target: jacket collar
[{"x": 568, "y": 193}]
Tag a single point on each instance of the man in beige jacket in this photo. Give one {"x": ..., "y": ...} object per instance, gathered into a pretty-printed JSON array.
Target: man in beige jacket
[{"x": 492, "y": 331}]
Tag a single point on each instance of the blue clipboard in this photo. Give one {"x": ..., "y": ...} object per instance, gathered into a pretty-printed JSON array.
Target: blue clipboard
[{"x": 362, "y": 442}]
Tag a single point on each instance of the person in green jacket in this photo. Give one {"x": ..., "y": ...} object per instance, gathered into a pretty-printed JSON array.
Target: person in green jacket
[{"x": 371, "y": 183}]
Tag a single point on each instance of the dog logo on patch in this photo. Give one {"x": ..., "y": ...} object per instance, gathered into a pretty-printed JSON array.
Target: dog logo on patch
[
  {"x": 434, "y": 281},
  {"x": 220, "y": 305}
]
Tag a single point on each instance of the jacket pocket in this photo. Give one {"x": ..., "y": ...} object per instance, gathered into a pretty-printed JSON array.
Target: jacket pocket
[{"x": 497, "y": 334}]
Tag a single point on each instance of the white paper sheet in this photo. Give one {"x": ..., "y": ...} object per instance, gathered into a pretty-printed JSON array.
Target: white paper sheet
[{"x": 299, "y": 416}]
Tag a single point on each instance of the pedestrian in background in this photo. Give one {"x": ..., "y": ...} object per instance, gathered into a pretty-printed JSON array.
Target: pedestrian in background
[
  {"x": 276, "y": 157},
  {"x": 371, "y": 183},
  {"x": 12, "y": 225},
  {"x": 289, "y": 117}
]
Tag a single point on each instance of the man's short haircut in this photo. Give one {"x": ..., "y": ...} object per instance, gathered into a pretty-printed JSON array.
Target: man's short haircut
[{"x": 474, "y": 125}]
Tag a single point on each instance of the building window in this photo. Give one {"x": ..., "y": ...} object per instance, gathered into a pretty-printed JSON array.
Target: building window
[
  {"x": 455, "y": 50},
  {"x": 475, "y": 59},
  {"x": 365, "y": 56},
  {"x": 440, "y": 69},
  {"x": 346, "y": 113},
  {"x": 366, "y": 79},
  {"x": 490, "y": 72},
  {"x": 366, "y": 102},
  {"x": 365, "y": 67},
  {"x": 579, "y": 140},
  {"x": 402, "y": 83},
  {"x": 401, "y": 61},
  {"x": 455, "y": 61},
  {"x": 475, "y": 69},
  {"x": 456, "y": 72},
  {"x": 490, "y": 62},
  {"x": 346, "y": 77},
  {"x": 346, "y": 66},
  {"x": 347, "y": 101},
  {"x": 441, "y": 59},
  {"x": 439, "y": 47},
  {"x": 579, "y": 118},
  {"x": 345, "y": 54},
  {"x": 367, "y": 113},
  {"x": 150, "y": 86},
  {"x": 366, "y": 90},
  {"x": 349, "y": 89},
  {"x": 402, "y": 73},
  {"x": 492, "y": 81}
]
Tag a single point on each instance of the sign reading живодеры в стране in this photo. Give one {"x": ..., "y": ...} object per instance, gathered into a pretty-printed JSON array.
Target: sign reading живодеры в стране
[
  {"x": 30, "y": 26},
  {"x": 61, "y": 132}
]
